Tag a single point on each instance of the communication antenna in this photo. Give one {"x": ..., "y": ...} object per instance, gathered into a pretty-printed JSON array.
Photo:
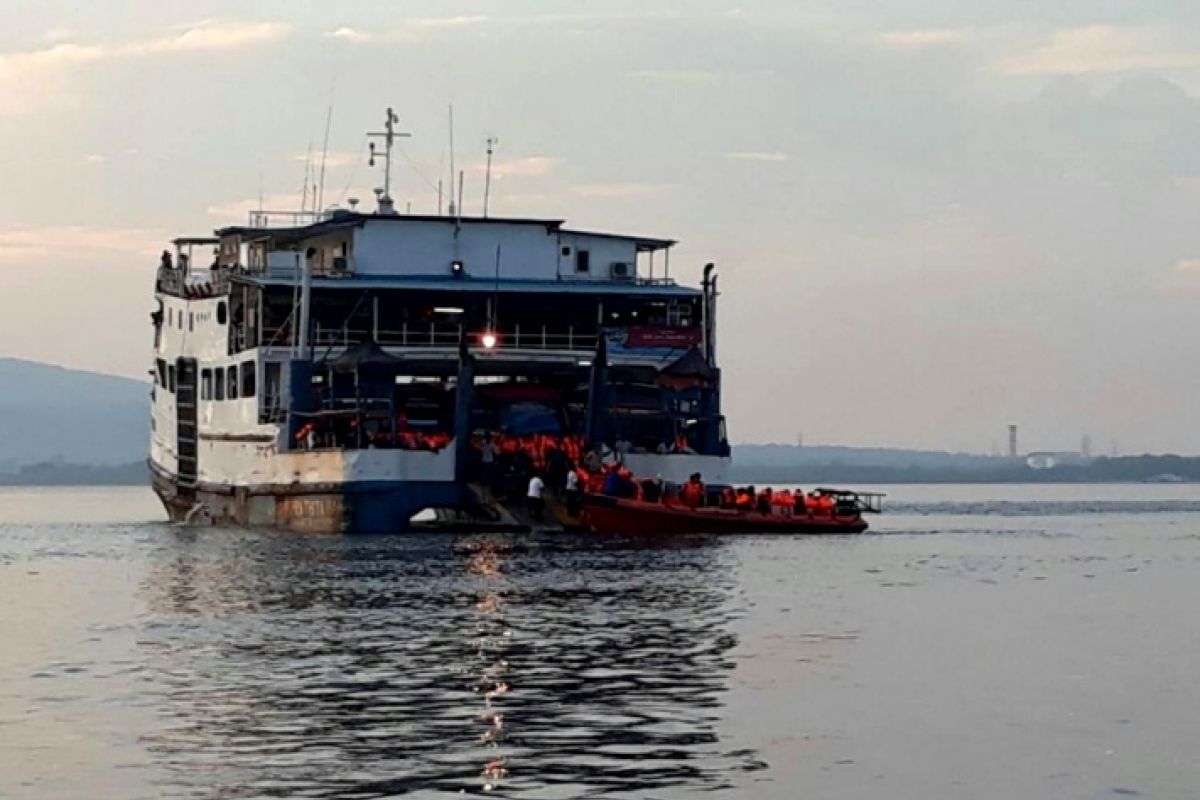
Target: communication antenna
[
  {"x": 492, "y": 141},
  {"x": 388, "y": 134},
  {"x": 324, "y": 153},
  {"x": 460, "y": 195},
  {"x": 307, "y": 173},
  {"x": 452, "y": 207}
]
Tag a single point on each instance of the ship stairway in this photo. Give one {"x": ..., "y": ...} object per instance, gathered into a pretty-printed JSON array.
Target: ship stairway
[
  {"x": 185, "y": 415},
  {"x": 555, "y": 517}
]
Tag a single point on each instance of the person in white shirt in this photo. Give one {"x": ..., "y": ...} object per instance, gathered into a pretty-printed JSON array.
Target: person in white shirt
[
  {"x": 571, "y": 495},
  {"x": 533, "y": 498}
]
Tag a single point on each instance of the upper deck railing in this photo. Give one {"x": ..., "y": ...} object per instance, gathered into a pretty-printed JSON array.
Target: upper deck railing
[
  {"x": 181, "y": 283},
  {"x": 447, "y": 336}
]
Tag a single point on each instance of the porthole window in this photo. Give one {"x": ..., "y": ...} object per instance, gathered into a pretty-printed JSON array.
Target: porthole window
[{"x": 222, "y": 313}]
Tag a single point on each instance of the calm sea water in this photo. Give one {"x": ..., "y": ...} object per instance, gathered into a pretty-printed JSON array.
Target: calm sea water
[{"x": 982, "y": 642}]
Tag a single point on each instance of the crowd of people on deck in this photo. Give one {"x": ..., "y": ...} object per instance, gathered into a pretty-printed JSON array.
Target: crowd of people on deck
[
  {"x": 352, "y": 431},
  {"x": 521, "y": 468},
  {"x": 617, "y": 481}
]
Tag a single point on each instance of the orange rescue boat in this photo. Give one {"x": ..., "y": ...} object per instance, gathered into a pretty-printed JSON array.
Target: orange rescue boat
[{"x": 605, "y": 514}]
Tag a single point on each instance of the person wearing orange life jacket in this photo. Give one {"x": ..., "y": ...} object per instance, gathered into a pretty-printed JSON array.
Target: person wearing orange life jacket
[
  {"x": 781, "y": 502},
  {"x": 728, "y": 497},
  {"x": 763, "y": 502},
  {"x": 692, "y": 492},
  {"x": 745, "y": 499},
  {"x": 681, "y": 444}
]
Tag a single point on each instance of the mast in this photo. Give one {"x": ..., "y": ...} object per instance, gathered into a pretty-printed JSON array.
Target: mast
[
  {"x": 453, "y": 210},
  {"x": 389, "y": 135},
  {"x": 492, "y": 141}
]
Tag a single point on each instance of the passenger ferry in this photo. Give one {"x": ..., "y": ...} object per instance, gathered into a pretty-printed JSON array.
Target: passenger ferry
[{"x": 346, "y": 371}]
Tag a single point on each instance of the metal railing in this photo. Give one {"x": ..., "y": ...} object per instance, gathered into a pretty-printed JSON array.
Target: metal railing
[
  {"x": 206, "y": 281},
  {"x": 434, "y": 335}
]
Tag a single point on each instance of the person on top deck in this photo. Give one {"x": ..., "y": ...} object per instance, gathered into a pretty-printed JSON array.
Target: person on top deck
[
  {"x": 681, "y": 444},
  {"x": 763, "y": 503}
]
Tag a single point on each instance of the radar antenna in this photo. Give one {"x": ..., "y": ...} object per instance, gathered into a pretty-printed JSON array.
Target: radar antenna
[{"x": 388, "y": 134}]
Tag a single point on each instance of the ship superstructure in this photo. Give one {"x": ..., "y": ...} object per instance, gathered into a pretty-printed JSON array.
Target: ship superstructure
[{"x": 344, "y": 371}]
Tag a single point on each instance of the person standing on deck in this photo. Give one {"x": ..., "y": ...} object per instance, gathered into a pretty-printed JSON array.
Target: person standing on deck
[
  {"x": 572, "y": 493},
  {"x": 487, "y": 461},
  {"x": 533, "y": 497}
]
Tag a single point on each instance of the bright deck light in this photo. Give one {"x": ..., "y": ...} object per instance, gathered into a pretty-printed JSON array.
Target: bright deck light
[
  {"x": 488, "y": 340},
  {"x": 447, "y": 310}
]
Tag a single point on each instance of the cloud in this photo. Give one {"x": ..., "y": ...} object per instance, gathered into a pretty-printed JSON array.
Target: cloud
[
  {"x": 413, "y": 30},
  {"x": 29, "y": 77},
  {"x": 757, "y": 156},
  {"x": 674, "y": 75},
  {"x": 54, "y": 35},
  {"x": 237, "y": 212},
  {"x": 922, "y": 38},
  {"x": 1187, "y": 265},
  {"x": 333, "y": 160},
  {"x": 608, "y": 191},
  {"x": 207, "y": 36},
  {"x": 23, "y": 244},
  {"x": 1105, "y": 48},
  {"x": 526, "y": 167}
]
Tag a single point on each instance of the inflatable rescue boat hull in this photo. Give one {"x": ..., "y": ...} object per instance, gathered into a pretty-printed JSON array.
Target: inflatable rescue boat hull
[{"x": 603, "y": 514}]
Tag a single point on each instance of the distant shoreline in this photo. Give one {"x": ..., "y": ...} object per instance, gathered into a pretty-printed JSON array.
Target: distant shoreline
[{"x": 1126, "y": 470}]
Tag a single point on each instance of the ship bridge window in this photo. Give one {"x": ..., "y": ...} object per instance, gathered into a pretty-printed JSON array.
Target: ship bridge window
[
  {"x": 232, "y": 383},
  {"x": 218, "y": 384},
  {"x": 222, "y": 313},
  {"x": 171, "y": 378},
  {"x": 206, "y": 384},
  {"x": 248, "y": 387}
]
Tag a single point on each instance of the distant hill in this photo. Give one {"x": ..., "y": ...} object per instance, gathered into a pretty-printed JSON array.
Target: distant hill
[
  {"x": 54, "y": 414},
  {"x": 788, "y": 455}
]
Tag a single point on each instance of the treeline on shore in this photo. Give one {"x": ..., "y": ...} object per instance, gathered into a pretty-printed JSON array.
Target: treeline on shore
[
  {"x": 1166, "y": 468},
  {"x": 59, "y": 473}
]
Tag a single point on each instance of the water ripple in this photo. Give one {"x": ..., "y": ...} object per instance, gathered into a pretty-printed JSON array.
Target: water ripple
[{"x": 371, "y": 668}]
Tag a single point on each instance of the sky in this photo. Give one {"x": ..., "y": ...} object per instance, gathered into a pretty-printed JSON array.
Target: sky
[{"x": 931, "y": 218}]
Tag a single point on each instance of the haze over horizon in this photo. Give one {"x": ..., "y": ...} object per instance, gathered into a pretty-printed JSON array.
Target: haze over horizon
[{"x": 931, "y": 218}]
